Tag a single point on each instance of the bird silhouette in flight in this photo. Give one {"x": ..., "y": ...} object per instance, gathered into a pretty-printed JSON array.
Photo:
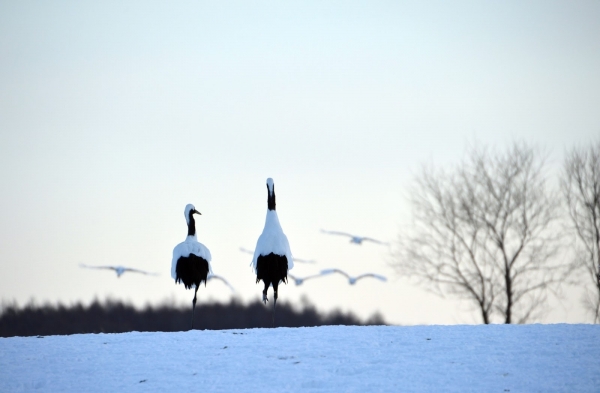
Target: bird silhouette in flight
[
  {"x": 354, "y": 238},
  {"x": 352, "y": 280},
  {"x": 120, "y": 270}
]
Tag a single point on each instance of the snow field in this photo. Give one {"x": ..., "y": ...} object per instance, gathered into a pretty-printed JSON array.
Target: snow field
[{"x": 492, "y": 358}]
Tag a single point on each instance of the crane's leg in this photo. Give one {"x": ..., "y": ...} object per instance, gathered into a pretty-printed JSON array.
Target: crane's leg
[
  {"x": 194, "y": 306},
  {"x": 265, "y": 300},
  {"x": 274, "y": 302}
]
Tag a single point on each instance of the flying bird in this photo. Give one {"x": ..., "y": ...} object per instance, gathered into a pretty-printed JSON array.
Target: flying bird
[
  {"x": 272, "y": 255},
  {"x": 216, "y": 277},
  {"x": 242, "y": 249},
  {"x": 355, "y": 239},
  {"x": 119, "y": 269},
  {"x": 353, "y": 280},
  {"x": 191, "y": 259},
  {"x": 300, "y": 280}
]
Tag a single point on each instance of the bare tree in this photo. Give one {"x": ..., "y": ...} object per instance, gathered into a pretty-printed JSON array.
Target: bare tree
[
  {"x": 483, "y": 232},
  {"x": 580, "y": 183}
]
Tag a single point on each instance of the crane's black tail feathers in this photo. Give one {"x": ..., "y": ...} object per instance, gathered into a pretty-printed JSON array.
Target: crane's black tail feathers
[
  {"x": 271, "y": 269},
  {"x": 191, "y": 270}
]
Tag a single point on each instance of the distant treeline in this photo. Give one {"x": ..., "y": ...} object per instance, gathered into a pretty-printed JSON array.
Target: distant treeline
[{"x": 113, "y": 316}]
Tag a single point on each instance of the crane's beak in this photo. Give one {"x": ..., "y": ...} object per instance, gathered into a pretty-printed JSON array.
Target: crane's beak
[{"x": 196, "y": 212}]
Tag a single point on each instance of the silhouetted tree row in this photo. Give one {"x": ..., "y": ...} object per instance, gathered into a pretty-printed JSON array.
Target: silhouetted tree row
[{"x": 117, "y": 317}]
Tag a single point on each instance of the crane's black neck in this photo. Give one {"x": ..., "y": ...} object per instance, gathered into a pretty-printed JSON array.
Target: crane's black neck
[
  {"x": 191, "y": 224},
  {"x": 271, "y": 198}
]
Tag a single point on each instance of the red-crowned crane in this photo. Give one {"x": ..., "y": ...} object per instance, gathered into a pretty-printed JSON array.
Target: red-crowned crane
[
  {"x": 120, "y": 270},
  {"x": 272, "y": 256},
  {"x": 354, "y": 238},
  {"x": 191, "y": 259},
  {"x": 352, "y": 280}
]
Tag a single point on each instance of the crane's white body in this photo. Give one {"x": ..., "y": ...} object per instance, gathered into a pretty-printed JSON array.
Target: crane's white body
[
  {"x": 190, "y": 246},
  {"x": 272, "y": 240}
]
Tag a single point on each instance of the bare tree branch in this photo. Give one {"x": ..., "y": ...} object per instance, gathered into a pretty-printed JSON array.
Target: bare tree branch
[
  {"x": 483, "y": 232},
  {"x": 580, "y": 183}
]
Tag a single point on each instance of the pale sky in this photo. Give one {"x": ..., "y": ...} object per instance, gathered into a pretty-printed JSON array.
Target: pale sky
[{"x": 115, "y": 115}]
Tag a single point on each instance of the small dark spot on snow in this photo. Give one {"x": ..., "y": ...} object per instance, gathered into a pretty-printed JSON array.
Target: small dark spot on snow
[
  {"x": 40, "y": 336},
  {"x": 143, "y": 380},
  {"x": 507, "y": 390},
  {"x": 194, "y": 373},
  {"x": 225, "y": 347},
  {"x": 428, "y": 339},
  {"x": 505, "y": 375},
  {"x": 296, "y": 362},
  {"x": 104, "y": 343}
]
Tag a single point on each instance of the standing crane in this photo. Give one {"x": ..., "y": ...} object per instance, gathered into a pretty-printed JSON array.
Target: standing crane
[
  {"x": 272, "y": 256},
  {"x": 191, "y": 259}
]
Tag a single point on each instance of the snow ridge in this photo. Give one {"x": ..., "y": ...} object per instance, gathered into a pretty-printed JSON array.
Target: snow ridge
[{"x": 483, "y": 358}]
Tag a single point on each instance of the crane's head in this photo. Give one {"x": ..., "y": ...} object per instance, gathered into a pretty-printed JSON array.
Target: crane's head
[
  {"x": 189, "y": 211},
  {"x": 271, "y": 196}
]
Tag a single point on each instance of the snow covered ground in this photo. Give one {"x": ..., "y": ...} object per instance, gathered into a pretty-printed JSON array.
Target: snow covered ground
[{"x": 493, "y": 358}]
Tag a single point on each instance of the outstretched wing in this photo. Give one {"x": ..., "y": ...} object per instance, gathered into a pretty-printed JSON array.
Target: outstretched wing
[
  {"x": 336, "y": 233},
  {"x": 297, "y": 280},
  {"x": 374, "y": 241},
  {"x": 312, "y": 276},
  {"x": 331, "y": 271},
  {"x": 98, "y": 267},
  {"x": 129, "y": 269},
  {"x": 119, "y": 269},
  {"x": 242, "y": 249},
  {"x": 377, "y": 276},
  {"x": 216, "y": 277}
]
